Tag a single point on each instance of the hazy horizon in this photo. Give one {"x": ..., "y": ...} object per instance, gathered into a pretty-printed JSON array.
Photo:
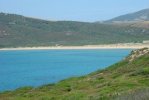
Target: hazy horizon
[{"x": 83, "y": 10}]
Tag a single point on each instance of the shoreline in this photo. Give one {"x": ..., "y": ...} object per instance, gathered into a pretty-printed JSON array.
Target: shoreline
[{"x": 108, "y": 46}]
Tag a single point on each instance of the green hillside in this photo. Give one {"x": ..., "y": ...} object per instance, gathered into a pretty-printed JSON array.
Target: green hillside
[
  {"x": 125, "y": 80},
  {"x": 16, "y": 30}
]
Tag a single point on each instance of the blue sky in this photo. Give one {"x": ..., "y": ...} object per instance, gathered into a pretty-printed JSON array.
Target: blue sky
[{"x": 76, "y": 10}]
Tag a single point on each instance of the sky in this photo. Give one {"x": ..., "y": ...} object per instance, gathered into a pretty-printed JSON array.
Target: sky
[{"x": 72, "y": 10}]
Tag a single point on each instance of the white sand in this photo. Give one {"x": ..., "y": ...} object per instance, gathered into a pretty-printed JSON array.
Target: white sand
[{"x": 108, "y": 46}]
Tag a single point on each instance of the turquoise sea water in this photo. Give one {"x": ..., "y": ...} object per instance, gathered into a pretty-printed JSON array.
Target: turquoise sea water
[{"x": 39, "y": 67}]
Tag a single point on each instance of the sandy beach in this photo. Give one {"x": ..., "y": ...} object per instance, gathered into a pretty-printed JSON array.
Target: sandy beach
[{"x": 108, "y": 46}]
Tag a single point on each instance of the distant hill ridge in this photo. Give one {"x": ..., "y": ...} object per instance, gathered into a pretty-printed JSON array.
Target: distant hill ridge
[{"x": 142, "y": 15}]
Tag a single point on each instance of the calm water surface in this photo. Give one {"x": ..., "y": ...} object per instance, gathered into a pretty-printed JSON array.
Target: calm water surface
[{"x": 39, "y": 67}]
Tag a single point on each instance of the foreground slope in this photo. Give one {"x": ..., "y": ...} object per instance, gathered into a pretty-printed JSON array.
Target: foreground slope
[
  {"x": 126, "y": 80},
  {"x": 20, "y": 31}
]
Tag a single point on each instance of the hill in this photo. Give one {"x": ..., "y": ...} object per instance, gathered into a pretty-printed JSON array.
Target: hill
[
  {"x": 125, "y": 80},
  {"x": 142, "y": 15},
  {"x": 20, "y": 31}
]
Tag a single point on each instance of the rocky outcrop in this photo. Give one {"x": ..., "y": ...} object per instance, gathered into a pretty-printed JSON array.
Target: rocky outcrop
[{"x": 137, "y": 53}]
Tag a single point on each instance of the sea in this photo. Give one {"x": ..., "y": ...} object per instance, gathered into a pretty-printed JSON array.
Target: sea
[{"x": 20, "y": 68}]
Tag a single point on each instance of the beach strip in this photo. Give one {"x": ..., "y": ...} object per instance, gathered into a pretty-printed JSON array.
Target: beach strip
[{"x": 108, "y": 46}]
